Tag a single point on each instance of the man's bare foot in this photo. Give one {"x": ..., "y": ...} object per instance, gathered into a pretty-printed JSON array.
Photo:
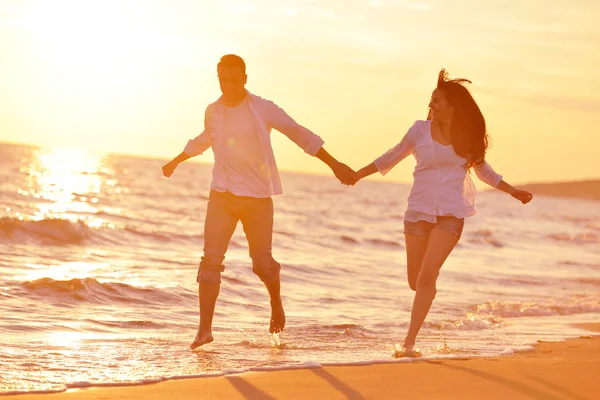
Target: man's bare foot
[
  {"x": 277, "y": 318},
  {"x": 201, "y": 338}
]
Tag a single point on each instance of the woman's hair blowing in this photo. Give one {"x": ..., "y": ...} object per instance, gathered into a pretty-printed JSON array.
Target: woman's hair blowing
[{"x": 467, "y": 128}]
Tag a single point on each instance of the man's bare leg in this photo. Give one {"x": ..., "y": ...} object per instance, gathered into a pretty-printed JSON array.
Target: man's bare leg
[
  {"x": 219, "y": 225},
  {"x": 257, "y": 220},
  {"x": 207, "y": 298},
  {"x": 277, "y": 314}
]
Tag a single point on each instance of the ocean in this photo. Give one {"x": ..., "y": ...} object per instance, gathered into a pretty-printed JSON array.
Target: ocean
[{"x": 99, "y": 253}]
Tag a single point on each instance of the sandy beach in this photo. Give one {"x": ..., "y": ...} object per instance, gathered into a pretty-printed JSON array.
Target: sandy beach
[{"x": 554, "y": 370}]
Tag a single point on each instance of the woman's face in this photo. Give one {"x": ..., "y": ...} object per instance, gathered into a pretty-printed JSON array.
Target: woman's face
[{"x": 439, "y": 105}]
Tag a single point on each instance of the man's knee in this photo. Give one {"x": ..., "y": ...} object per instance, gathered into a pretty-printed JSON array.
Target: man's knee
[
  {"x": 208, "y": 276},
  {"x": 267, "y": 269},
  {"x": 209, "y": 273}
]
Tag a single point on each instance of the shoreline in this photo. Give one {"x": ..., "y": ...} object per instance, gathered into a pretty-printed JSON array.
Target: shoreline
[{"x": 552, "y": 370}]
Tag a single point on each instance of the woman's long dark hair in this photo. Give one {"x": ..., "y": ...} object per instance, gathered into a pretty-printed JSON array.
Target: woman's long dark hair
[{"x": 467, "y": 129}]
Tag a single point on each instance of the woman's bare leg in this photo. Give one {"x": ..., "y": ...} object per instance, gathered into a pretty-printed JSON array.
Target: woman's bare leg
[
  {"x": 439, "y": 246},
  {"x": 415, "y": 252}
]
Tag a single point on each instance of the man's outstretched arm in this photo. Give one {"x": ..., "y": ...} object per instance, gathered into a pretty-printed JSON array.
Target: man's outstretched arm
[
  {"x": 169, "y": 167},
  {"x": 309, "y": 142},
  {"x": 194, "y": 147},
  {"x": 344, "y": 173}
]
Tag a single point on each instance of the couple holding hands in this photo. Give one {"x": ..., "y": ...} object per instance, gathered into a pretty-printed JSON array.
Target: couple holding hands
[{"x": 450, "y": 143}]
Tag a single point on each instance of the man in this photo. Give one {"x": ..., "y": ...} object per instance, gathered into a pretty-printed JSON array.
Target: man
[{"x": 237, "y": 127}]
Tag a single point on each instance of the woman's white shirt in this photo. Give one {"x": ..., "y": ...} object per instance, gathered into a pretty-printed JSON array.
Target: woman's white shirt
[{"x": 442, "y": 185}]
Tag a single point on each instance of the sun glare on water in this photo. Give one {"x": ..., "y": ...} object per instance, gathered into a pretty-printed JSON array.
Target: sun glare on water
[
  {"x": 66, "y": 339},
  {"x": 67, "y": 185}
]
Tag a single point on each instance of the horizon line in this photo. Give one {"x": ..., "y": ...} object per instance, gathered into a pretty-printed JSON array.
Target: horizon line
[{"x": 191, "y": 160}]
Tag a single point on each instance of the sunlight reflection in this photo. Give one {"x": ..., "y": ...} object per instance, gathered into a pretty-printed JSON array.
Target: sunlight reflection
[
  {"x": 69, "y": 339},
  {"x": 68, "y": 183},
  {"x": 65, "y": 177},
  {"x": 62, "y": 272}
]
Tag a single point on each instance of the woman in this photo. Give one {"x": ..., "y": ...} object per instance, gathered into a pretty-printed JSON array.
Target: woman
[{"x": 450, "y": 143}]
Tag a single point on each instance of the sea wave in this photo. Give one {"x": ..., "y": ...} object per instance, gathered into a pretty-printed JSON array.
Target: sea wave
[
  {"x": 371, "y": 242},
  {"x": 336, "y": 331},
  {"x": 580, "y": 238},
  {"x": 93, "y": 291},
  {"x": 515, "y": 309},
  {"x": 129, "y": 324},
  {"x": 162, "y": 236},
  {"x": 485, "y": 236},
  {"x": 384, "y": 243},
  {"x": 471, "y": 322},
  {"x": 477, "y": 322},
  {"x": 58, "y": 231},
  {"x": 579, "y": 264},
  {"x": 55, "y": 231},
  {"x": 348, "y": 239}
]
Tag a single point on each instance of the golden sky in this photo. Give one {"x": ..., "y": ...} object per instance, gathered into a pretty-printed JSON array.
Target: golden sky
[{"x": 134, "y": 77}]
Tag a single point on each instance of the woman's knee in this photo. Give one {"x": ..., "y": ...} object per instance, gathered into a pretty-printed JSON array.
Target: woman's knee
[
  {"x": 412, "y": 282},
  {"x": 427, "y": 278}
]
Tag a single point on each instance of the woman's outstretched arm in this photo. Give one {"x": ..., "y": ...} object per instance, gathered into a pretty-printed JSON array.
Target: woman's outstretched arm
[
  {"x": 366, "y": 171},
  {"x": 522, "y": 195},
  {"x": 489, "y": 176}
]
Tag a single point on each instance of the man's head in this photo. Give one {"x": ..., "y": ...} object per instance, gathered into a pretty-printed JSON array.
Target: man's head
[{"x": 231, "y": 70}]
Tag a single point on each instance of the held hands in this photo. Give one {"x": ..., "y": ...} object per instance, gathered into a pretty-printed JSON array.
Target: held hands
[
  {"x": 522, "y": 195},
  {"x": 345, "y": 174}
]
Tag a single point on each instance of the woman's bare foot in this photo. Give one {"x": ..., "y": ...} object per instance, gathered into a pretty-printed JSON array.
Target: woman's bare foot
[
  {"x": 277, "y": 318},
  {"x": 201, "y": 338},
  {"x": 406, "y": 350}
]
